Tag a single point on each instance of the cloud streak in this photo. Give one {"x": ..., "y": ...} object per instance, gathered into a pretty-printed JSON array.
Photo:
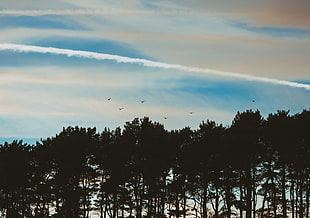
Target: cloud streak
[
  {"x": 147, "y": 63},
  {"x": 93, "y": 12}
]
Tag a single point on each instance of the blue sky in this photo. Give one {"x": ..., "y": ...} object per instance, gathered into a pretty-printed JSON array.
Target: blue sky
[{"x": 41, "y": 93}]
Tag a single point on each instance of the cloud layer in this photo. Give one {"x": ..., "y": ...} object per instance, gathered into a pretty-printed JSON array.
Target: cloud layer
[{"x": 95, "y": 12}]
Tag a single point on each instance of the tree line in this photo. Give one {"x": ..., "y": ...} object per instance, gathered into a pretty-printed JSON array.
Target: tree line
[{"x": 255, "y": 167}]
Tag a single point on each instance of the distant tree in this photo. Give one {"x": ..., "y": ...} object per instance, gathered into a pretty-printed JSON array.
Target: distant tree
[
  {"x": 102, "y": 163},
  {"x": 69, "y": 154},
  {"x": 245, "y": 138},
  {"x": 210, "y": 162},
  {"x": 278, "y": 135},
  {"x": 177, "y": 187},
  {"x": 301, "y": 161},
  {"x": 15, "y": 177}
]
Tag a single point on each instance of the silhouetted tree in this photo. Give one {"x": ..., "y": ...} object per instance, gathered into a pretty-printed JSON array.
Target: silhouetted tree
[
  {"x": 245, "y": 136},
  {"x": 16, "y": 179},
  {"x": 70, "y": 154},
  {"x": 143, "y": 170}
]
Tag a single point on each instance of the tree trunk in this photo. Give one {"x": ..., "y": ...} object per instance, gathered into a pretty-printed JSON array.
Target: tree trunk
[
  {"x": 254, "y": 203},
  {"x": 292, "y": 199},
  {"x": 263, "y": 204},
  {"x": 204, "y": 204},
  {"x": 184, "y": 207},
  {"x": 264, "y": 199},
  {"x": 102, "y": 197},
  {"x": 106, "y": 207},
  {"x": 217, "y": 205},
  {"x": 47, "y": 210},
  {"x": 307, "y": 200},
  {"x": 101, "y": 209},
  {"x": 301, "y": 206},
  {"x": 162, "y": 203},
  {"x": 296, "y": 199},
  {"x": 177, "y": 206},
  {"x": 141, "y": 200},
  {"x": 274, "y": 203},
  {"x": 123, "y": 210},
  {"x": 184, "y": 201},
  {"x": 57, "y": 206},
  {"x": 254, "y": 197},
  {"x": 248, "y": 193},
  {"x": 228, "y": 201},
  {"x": 115, "y": 206},
  {"x": 241, "y": 199},
  {"x": 283, "y": 192},
  {"x": 149, "y": 202}
]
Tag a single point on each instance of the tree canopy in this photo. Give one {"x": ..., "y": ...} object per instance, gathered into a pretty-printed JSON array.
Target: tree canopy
[{"x": 255, "y": 167}]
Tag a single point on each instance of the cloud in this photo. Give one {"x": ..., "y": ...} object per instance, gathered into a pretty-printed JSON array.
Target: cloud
[
  {"x": 284, "y": 13},
  {"x": 96, "y": 12},
  {"x": 206, "y": 40},
  {"x": 147, "y": 63}
]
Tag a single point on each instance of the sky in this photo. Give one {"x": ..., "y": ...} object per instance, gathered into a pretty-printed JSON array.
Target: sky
[{"x": 178, "y": 62}]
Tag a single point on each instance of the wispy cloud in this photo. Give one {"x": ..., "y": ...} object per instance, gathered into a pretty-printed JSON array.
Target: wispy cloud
[
  {"x": 148, "y": 63},
  {"x": 97, "y": 12},
  {"x": 271, "y": 13},
  {"x": 276, "y": 31},
  {"x": 39, "y": 22}
]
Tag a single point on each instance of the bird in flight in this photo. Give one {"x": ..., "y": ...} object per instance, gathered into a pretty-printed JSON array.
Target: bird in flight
[
  {"x": 191, "y": 112},
  {"x": 165, "y": 118},
  {"x": 253, "y": 100},
  {"x": 121, "y": 108},
  {"x": 109, "y": 99},
  {"x": 142, "y": 101}
]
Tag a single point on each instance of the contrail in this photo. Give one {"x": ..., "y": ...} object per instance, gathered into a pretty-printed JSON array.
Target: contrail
[{"x": 147, "y": 63}]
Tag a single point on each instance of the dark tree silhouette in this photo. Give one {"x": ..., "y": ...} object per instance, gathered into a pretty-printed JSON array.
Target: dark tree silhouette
[
  {"x": 245, "y": 139},
  {"x": 254, "y": 168},
  {"x": 16, "y": 179}
]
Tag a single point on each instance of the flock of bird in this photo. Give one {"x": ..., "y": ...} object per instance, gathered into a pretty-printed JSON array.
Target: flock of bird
[{"x": 142, "y": 102}]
